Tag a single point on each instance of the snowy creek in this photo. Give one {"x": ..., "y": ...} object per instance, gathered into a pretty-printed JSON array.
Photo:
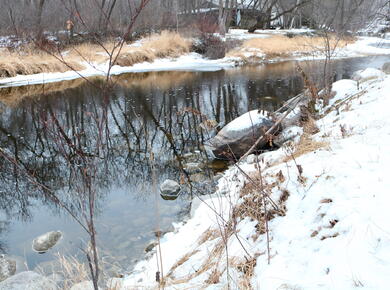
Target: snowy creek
[{"x": 152, "y": 119}]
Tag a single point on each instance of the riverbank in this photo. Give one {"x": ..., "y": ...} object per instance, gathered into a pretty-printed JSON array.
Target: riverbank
[
  {"x": 326, "y": 225},
  {"x": 170, "y": 51}
]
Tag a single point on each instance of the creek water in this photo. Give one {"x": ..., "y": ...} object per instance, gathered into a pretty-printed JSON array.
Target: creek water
[{"x": 150, "y": 118}]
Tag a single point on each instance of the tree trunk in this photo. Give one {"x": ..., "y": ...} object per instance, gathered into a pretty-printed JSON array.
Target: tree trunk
[
  {"x": 107, "y": 22},
  {"x": 38, "y": 21}
]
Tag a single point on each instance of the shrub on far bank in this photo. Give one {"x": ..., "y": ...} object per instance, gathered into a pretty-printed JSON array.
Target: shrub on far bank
[{"x": 210, "y": 45}]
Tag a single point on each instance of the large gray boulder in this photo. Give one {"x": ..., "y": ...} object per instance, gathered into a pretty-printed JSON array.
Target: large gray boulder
[
  {"x": 7, "y": 267},
  {"x": 237, "y": 137},
  {"x": 46, "y": 241},
  {"x": 386, "y": 68},
  {"x": 28, "y": 281}
]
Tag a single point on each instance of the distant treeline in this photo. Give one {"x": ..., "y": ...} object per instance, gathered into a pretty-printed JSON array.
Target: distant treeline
[{"x": 103, "y": 17}]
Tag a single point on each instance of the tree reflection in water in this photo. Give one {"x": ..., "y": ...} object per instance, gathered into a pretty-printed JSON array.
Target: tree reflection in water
[{"x": 73, "y": 139}]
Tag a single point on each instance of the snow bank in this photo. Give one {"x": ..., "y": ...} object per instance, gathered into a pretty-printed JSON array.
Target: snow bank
[
  {"x": 191, "y": 61},
  {"x": 194, "y": 62},
  {"x": 368, "y": 46},
  {"x": 368, "y": 73},
  {"x": 334, "y": 234},
  {"x": 243, "y": 34}
]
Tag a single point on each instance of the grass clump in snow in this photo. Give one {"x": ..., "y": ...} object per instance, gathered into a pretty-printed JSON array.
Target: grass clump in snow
[
  {"x": 212, "y": 260},
  {"x": 255, "y": 203},
  {"x": 247, "y": 269},
  {"x": 306, "y": 143}
]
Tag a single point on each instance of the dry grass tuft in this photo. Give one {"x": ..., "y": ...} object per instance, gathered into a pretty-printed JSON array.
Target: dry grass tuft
[
  {"x": 135, "y": 56},
  {"x": 208, "y": 235},
  {"x": 166, "y": 44},
  {"x": 72, "y": 271},
  {"x": 252, "y": 205},
  {"x": 310, "y": 126},
  {"x": 212, "y": 261},
  {"x": 247, "y": 268},
  {"x": 214, "y": 277},
  {"x": 282, "y": 46},
  {"x": 306, "y": 145},
  {"x": 180, "y": 262},
  {"x": 15, "y": 64},
  {"x": 32, "y": 61}
]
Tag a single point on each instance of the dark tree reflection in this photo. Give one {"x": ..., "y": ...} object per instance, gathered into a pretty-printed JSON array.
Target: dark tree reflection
[{"x": 149, "y": 113}]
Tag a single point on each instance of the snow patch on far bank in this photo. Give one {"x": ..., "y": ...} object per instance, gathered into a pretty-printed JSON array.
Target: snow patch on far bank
[{"x": 368, "y": 46}]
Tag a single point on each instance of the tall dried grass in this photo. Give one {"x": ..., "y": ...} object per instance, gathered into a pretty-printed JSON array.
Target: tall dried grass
[
  {"x": 70, "y": 269},
  {"x": 306, "y": 143},
  {"x": 165, "y": 44},
  {"x": 282, "y": 46},
  {"x": 33, "y": 61},
  {"x": 12, "y": 64}
]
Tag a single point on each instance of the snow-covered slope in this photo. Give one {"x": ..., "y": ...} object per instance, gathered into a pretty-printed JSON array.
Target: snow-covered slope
[{"x": 333, "y": 227}]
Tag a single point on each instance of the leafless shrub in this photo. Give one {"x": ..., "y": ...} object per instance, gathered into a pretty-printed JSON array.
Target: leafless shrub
[{"x": 211, "y": 46}]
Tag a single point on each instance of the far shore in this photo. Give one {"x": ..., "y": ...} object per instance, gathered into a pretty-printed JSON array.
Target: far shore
[{"x": 170, "y": 51}]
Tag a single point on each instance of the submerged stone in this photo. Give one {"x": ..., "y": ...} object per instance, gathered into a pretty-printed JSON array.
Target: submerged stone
[
  {"x": 169, "y": 196},
  {"x": 150, "y": 247},
  {"x": 169, "y": 187},
  {"x": 28, "y": 280},
  {"x": 46, "y": 241}
]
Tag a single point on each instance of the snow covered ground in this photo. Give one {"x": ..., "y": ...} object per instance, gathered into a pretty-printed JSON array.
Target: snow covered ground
[
  {"x": 332, "y": 229},
  {"x": 243, "y": 34},
  {"x": 191, "y": 61},
  {"x": 195, "y": 62},
  {"x": 364, "y": 46}
]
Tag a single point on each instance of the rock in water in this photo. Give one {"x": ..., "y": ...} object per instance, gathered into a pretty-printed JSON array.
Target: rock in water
[
  {"x": 169, "y": 187},
  {"x": 46, "y": 241},
  {"x": 28, "y": 280},
  {"x": 7, "y": 267},
  {"x": 237, "y": 137},
  {"x": 386, "y": 68}
]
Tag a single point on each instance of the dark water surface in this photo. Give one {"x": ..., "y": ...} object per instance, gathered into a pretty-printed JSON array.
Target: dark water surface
[{"x": 161, "y": 113}]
